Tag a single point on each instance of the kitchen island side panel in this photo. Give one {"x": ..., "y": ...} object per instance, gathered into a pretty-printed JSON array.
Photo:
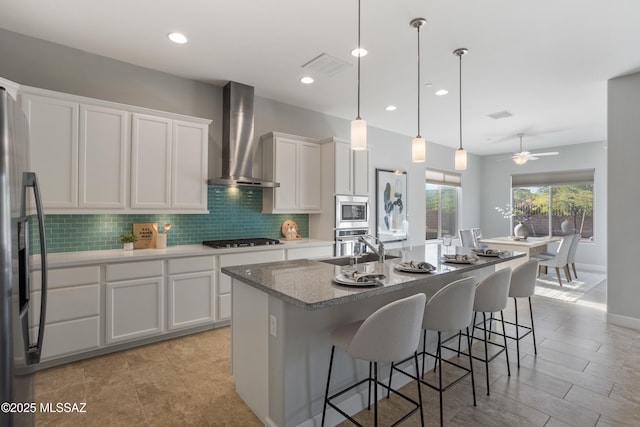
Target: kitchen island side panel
[{"x": 249, "y": 346}]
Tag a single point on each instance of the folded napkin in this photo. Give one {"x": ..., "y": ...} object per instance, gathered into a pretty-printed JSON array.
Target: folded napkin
[
  {"x": 363, "y": 277},
  {"x": 486, "y": 251},
  {"x": 459, "y": 257},
  {"x": 416, "y": 265}
]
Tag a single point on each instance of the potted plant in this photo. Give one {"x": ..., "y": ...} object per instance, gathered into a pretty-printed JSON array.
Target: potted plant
[{"x": 127, "y": 240}]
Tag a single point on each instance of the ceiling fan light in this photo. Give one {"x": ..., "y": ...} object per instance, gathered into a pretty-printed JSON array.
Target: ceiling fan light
[
  {"x": 520, "y": 160},
  {"x": 418, "y": 150},
  {"x": 461, "y": 159},
  {"x": 358, "y": 134}
]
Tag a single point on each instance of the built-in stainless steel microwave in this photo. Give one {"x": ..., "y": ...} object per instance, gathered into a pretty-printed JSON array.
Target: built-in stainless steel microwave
[{"x": 352, "y": 211}]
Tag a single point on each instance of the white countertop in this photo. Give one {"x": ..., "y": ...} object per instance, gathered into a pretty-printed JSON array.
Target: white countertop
[{"x": 70, "y": 259}]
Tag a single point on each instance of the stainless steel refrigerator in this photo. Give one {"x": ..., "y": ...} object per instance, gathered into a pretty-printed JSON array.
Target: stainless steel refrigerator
[{"x": 20, "y": 342}]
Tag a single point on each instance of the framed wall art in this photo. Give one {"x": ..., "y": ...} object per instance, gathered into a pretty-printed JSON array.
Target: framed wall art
[{"x": 391, "y": 205}]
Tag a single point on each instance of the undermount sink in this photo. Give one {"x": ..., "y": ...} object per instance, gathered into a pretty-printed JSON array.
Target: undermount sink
[{"x": 341, "y": 261}]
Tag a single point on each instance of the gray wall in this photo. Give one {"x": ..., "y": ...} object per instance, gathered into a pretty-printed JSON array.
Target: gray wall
[
  {"x": 623, "y": 178},
  {"x": 496, "y": 179}
]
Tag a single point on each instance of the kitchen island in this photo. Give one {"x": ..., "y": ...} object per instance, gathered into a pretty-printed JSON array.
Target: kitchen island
[{"x": 282, "y": 317}]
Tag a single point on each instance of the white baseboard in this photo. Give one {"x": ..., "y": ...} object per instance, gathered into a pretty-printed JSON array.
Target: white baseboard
[
  {"x": 624, "y": 321},
  {"x": 591, "y": 267}
]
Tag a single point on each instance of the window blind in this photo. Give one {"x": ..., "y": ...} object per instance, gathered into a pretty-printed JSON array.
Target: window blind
[
  {"x": 584, "y": 176},
  {"x": 443, "y": 178}
]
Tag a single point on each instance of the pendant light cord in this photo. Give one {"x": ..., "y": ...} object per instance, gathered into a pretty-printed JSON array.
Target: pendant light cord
[
  {"x": 460, "y": 94},
  {"x": 359, "y": 55},
  {"x": 418, "y": 28}
]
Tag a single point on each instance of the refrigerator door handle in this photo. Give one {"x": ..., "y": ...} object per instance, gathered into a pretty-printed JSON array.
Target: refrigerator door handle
[{"x": 33, "y": 351}]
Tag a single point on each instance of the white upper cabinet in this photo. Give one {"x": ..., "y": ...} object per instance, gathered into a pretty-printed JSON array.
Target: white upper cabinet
[
  {"x": 295, "y": 163},
  {"x": 53, "y": 148},
  {"x": 94, "y": 156},
  {"x": 169, "y": 164},
  {"x": 345, "y": 170},
  {"x": 103, "y": 153},
  {"x": 360, "y": 172},
  {"x": 151, "y": 162},
  {"x": 190, "y": 165}
]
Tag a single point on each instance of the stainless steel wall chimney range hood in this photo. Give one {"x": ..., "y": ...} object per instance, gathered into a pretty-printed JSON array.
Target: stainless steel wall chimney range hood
[{"x": 238, "y": 144}]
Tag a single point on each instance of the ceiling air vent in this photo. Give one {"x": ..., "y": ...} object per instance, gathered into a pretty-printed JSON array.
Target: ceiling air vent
[
  {"x": 500, "y": 115},
  {"x": 326, "y": 64}
]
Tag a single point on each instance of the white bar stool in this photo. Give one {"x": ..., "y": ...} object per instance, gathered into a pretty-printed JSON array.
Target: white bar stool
[
  {"x": 391, "y": 333},
  {"x": 491, "y": 297},
  {"x": 448, "y": 310},
  {"x": 523, "y": 285}
]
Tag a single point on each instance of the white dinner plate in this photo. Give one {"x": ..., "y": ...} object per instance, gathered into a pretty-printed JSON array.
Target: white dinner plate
[
  {"x": 341, "y": 279},
  {"x": 412, "y": 270},
  {"x": 481, "y": 252}
]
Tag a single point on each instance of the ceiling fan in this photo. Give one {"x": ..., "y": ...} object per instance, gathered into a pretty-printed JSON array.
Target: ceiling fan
[{"x": 522, "y": 157}]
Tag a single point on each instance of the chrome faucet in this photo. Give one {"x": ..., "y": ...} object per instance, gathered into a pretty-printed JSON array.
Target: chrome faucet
[{"x": 379, "y": 251}]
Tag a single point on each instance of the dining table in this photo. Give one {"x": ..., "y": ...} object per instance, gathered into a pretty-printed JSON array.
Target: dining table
[{"x": 531, "y": 246}]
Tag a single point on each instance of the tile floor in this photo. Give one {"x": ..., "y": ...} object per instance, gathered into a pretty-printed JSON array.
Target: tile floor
[{"x": 586, "y": 373}]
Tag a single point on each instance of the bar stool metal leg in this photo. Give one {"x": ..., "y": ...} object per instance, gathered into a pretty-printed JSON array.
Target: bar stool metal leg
[
  {"x": 515, "y": 305},
  {"x": 506, "y": 350},
  {"x": 326, "y": 393},
  {"x": 486, "y": 350},
  {"x": 533, "y": 330},
  {"x": 473, "y": 382}
]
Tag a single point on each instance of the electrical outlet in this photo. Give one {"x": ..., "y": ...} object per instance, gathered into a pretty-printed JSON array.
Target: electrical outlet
[{"x": 273, "y": 325}]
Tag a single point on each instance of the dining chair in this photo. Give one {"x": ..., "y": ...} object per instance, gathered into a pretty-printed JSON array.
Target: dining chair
[
  {"x": 560, "y": 259},
  {"x": 571, "y": 259},
  {"x": 467, "y": 238}
]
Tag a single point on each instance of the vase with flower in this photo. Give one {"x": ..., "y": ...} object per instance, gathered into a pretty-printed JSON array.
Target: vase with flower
[{"x": 520, "y": 230}]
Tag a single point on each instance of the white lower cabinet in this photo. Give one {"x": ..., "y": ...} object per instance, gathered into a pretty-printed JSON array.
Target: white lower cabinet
[
  {"x": 134, "y": 308},
  {"x": 190, "y": 292},
  {"x": 310, "y": 252},
  {"x": 72, "y": 322},
  {"x": 90, "y": 308}
]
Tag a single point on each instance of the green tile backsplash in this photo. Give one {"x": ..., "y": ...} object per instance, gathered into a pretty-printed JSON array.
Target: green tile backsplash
[{"x": 234, "y": 212}]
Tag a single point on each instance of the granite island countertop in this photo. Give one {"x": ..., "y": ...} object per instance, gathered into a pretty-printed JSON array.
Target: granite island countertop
[{"x": 309, "y": 283}]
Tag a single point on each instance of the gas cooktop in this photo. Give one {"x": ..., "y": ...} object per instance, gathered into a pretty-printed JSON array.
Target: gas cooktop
[{"x": 240, "y": 243}]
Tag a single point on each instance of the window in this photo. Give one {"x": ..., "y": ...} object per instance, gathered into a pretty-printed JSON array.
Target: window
[
  {"x": 555, "y": 203},
  {"x": 442, "y": 191}
]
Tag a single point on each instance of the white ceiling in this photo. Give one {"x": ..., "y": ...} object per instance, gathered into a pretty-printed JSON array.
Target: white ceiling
[{"x": 545, "y": 61}]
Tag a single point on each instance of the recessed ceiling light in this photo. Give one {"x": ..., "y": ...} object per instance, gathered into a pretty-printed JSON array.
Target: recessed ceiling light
[
  {"x": 428, "y": 84},
  {"x": 177, "y": 38},
  {"x": 307, "y": 80},
  {"x": 359, "y": 52},
  {"x": 391, "y": 108},
  {"x": 442, "y": 92}
]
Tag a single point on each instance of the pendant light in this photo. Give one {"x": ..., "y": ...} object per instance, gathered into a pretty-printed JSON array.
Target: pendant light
[
  {"x": 461, "y": 153},
  {"x": 359, "y": 126},
  {"x": 418, "y": 144}
]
